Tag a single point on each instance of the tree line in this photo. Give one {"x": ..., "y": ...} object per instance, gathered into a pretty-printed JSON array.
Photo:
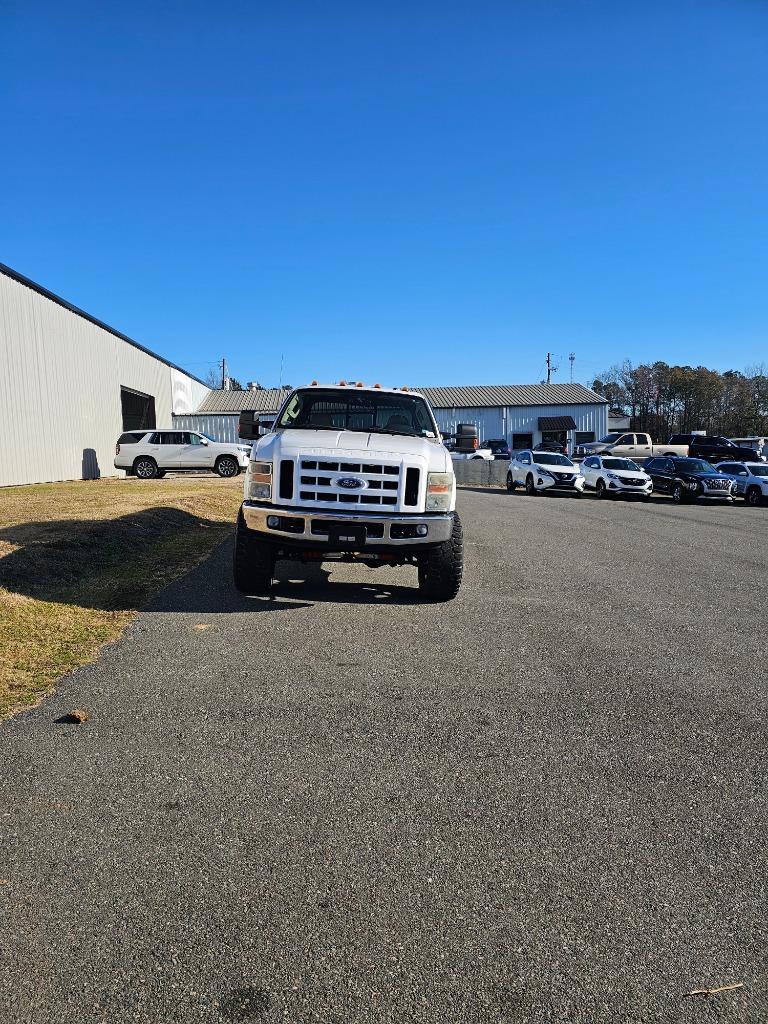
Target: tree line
[{"x": 664, "y": 400}]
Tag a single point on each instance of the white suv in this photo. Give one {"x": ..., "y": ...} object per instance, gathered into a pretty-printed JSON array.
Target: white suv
[
  {"x": 151, "y": 453},
  {"x": 539, "y": 471}
]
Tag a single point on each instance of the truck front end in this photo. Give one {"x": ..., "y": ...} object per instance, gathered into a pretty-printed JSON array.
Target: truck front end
[{"x": 354, "y": 474}]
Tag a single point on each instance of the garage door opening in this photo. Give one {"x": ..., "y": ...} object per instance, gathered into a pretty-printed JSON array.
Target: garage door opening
[{"x": 138, "y": 410}]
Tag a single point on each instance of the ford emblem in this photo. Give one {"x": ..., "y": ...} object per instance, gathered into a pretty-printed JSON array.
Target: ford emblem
[{"x": 351, "y": 483}]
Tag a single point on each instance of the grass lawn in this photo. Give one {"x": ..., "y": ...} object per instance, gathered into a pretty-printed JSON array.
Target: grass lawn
[{"x": 77, "y": 560}]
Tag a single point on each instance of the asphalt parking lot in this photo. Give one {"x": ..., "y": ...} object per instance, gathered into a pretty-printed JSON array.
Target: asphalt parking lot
[{"x": 545, "y": 801}]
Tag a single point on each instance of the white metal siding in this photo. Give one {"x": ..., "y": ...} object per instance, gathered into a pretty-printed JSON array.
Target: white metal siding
[
  {"x": 220, "y": 426},
  {"x": 509, "y": 420},
  {"x": 60, "y": 379}
]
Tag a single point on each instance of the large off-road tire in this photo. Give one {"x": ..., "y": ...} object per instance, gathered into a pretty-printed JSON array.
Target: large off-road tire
[
  {"x": 145, "y": 468},
  {"x": 253, "y": 560},
  {"x": 442, "y": 566},
  {"x": 227, "y": 466}
]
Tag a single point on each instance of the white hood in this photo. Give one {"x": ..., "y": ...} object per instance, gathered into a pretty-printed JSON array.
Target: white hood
[{"x": 353, "y": 444}]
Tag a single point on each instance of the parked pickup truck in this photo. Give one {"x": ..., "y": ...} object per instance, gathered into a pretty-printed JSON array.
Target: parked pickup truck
[
  {"x": 716, "y": 449},
  {"x": 630, "y": 445},
  {"x": 349, "y": 473}
]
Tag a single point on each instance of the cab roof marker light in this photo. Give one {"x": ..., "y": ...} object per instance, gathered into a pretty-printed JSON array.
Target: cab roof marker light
[
  {"x": 314, "y": 384},
  {"x": 359, "y": 384},
  {"x": 342, "y": 383},
  {"x": 377, "y": 386}
]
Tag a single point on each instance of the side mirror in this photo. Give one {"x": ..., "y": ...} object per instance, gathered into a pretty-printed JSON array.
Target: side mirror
[
  {"x": 204, "y": 440},
  {"x": 248, "y": 425},
  {"x": 265, "y": 426}
]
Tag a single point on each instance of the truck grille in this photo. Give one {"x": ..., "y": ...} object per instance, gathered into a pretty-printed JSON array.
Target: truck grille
[{"x": 378, "y": 483}]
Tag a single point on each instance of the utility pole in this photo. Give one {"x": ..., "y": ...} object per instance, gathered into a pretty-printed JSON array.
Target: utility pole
[
  {"x": 550, "y": 368},
  {"x": 571, "y": 358},
  {"x": 224, "y": 374}
]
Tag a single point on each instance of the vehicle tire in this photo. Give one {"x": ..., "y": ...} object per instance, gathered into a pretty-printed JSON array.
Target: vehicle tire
[
  {"x": 442, "y": 566},
  {"x": 476, "y": 457},
  {"x": 145, "y": 468},
  {"x": 253, "y": 560},
  {"x": 678, "y": 494},
  {"x": 753, "y": 496},
  {"x": 161, "y": 473},
  {"x": 227, "y": 466},
  {"x": 600, "y": 489},
  {"x": 530, "y": 490},
  {"x": 511, "y": 483}
]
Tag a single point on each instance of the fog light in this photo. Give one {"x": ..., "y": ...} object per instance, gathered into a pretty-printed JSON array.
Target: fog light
[
  {"x": 273, "y": 522},
  {"x": 421, "y": 530}
]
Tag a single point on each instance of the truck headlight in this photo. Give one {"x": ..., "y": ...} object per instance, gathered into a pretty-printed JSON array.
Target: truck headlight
[
  {"x": 259, "y": 480},
  {"x": 439, "y": 492}
]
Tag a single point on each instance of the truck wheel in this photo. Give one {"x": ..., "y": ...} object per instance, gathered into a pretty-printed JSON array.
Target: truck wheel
[
  {"x": 227, "y": 466},
  {"x": 145, "y": 468},
  {"x": 530, "y": 490},
  {"x": 754, "y": 496},
  {"x": 253, "y": 560},
  {"x": 441, "y": 567},
  {"x": 511, "y": 483}
]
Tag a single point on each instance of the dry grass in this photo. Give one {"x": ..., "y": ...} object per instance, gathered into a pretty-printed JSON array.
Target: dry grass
[{"x": 78, "y": 559}]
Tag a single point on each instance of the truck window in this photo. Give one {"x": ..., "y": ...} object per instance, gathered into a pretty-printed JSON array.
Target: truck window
[{"x": 385, "y": 413}]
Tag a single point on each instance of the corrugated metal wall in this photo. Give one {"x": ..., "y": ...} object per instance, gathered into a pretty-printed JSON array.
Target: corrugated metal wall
[
  {"x": 60, "y": 379},
  {"x": 489, "y": 422},
  {"x": 221, "y": 426},
  {"x": 503, "y": 423}
]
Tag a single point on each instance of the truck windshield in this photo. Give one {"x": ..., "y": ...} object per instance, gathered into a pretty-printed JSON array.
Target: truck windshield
[
  {"x": 610, "y": 438},
  {"x": 366, "y": 411}
]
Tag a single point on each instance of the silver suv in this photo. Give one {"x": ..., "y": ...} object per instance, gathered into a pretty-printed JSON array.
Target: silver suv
[{"x": 151, "y": 453}]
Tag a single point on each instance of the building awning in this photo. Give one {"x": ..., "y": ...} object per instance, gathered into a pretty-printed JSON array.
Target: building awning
[{"x": 557, "y": 423}]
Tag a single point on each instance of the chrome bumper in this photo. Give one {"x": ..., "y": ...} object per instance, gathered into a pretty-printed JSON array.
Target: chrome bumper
[{"x": 439, "y": 525}]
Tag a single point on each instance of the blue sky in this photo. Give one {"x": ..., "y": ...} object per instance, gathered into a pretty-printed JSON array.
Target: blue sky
[{"x": 432, "y": 193}]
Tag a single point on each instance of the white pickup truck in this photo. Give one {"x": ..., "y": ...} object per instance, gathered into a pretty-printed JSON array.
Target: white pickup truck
[
  {"x": 629, "y": 445},
  {"x": 349, "y": 473}
]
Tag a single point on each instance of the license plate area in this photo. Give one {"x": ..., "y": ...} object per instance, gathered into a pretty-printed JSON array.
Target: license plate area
[{"x": 347, "y": 538}]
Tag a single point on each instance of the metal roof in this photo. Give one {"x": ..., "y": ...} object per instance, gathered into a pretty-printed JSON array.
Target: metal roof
[
  {"x": 493, "y": 395},
  {"x": 29, "y": 283},
  {"x": 266, "y": 400},
  {"x": 482, "y": 397}
]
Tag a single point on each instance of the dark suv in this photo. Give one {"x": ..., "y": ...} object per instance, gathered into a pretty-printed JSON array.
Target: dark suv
[
  {"x": 714, "y": 449},
  {"x": 499, "y": 448},
  {"x": 688, "y": 479}
]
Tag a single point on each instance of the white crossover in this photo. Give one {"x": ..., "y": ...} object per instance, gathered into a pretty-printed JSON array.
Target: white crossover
[
  {"x": 609, "y": 476},
  {"x": 750, "y": 480},
  {"x": 542, "y": 471}
]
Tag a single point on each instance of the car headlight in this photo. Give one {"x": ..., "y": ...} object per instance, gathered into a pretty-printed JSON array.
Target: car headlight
[
  {"x": 612, "y": 476},
  {"x": 543, "y": 472},
  {"x": 259, "y": 480},
  {"x": 439, "y": 492}
]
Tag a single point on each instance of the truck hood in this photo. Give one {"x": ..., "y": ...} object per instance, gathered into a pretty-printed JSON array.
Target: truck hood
[{"x": 353, "y": 444}]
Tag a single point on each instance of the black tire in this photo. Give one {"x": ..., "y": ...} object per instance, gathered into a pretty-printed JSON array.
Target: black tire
[
  {"x": 678, "y": 494},
  {"x": 253, "y": 560},
  {"x": 442, "y": 566},
  {"x": 227, "y": 466},
  {"x": 145, "y": 468},
  {"x": 530, "y": 490},
  {"x": 600, "y": 489},
  {"x": 753, "y": 496},
  {"x": 511, "y": 483}
]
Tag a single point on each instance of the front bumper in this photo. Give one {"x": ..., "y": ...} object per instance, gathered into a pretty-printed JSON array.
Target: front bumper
[
  {"x": 543, "y": 483},
  {"x": 620, "y": 487},
  {"x": 323, "y": 529}
]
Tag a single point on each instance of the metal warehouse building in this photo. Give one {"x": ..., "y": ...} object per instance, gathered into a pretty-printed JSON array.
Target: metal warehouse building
[
  {"x": 521, "y": 414},
  {"x": 70, "y": 384}
]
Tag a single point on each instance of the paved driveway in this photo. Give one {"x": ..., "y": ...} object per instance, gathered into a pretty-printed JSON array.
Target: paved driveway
[{"x": 545, "y": 801}]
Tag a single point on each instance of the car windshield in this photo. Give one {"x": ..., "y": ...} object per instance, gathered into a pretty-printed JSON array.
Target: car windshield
[
  {"x": 368, "y": 411},
  {"x": 694, "y": 466},
  {"x": 620, "y": 464},
  {"x": 550, "y": 459}
]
